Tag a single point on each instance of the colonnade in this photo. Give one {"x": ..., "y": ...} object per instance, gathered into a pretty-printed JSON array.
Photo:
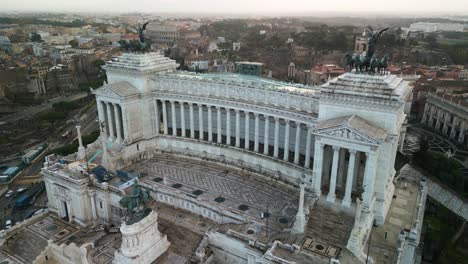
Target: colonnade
[
  {"x": 111, "y": 118},
  {"x": 223, "y": 125},
  {"x": 445, "y": 122},
  {"x": 344, "y": 167}
]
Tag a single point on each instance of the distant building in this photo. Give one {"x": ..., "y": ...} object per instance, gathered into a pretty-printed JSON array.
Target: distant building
[
  {"x": 5, "y": 43},
  {"x": 249, "y": 68},
  {"x": 38, "y": 76},
  {"x": 291, "y": 70},
  {"x": 463, "y": 75},
  {"x": 433, "y": 27},
  {"x": 58, "y": 40},
  {"x": 236, "y": 46},
  {"x": 162, "y": 34},
  {"x": 447, "y": 114},
  {"x": 360, "y": 44}
]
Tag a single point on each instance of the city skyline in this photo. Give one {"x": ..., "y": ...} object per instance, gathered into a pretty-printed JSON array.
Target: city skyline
[{"x": 294, "y": 7}]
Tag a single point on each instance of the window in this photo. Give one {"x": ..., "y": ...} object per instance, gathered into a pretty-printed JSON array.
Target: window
[
  {"x": 386, "y": 234},
  {"x": 100, "y": 204},
  {"x": 138, "y": 147}
]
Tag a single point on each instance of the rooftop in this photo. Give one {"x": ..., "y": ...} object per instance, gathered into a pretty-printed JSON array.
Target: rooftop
[
  {"x": 388, "y": 87},
  {"x": 247, "y": 80},
  {"x": 355, "y": 122}
]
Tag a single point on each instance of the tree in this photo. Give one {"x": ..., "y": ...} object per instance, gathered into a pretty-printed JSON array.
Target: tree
[
  {"x": 431, "y": 40},
  {"x": 74, "y": 43},
  {"x": 36, "y": 37}
]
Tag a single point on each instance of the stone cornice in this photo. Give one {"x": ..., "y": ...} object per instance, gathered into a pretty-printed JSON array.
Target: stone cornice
[
  {"x": 361, "y": 102},
  {"x": 307, "y": 101},
  {"x": 447, "y": 105}
]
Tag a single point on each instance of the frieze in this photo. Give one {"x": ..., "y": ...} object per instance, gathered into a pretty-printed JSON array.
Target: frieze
[
  {"x": 348, "y": 134},
  {"x": 306, "y": 102}
]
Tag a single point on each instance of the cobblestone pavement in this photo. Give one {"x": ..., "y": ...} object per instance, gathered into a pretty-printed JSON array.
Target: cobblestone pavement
[
  {"x": 437, "y": 143},
  {"x": 231, "y": 184}
]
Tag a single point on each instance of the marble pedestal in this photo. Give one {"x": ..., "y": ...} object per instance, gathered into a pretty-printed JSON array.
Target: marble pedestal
[{"x": 141, "y": 242}]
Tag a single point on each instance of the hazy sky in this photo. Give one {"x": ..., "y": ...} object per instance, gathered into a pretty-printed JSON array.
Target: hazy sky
[{"x": 241, "y": 6}]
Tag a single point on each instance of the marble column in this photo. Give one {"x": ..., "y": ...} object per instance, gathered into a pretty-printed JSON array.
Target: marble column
[
  {"x": 118, "y": 125},
  {"x": 125, "y": 134},
  {"x": 369, "y": 180},
  {"x": 257, "y": 132},
  {"x": 111, "y": 121},
  {"x": 200, "y": 122},
  {"x": 453, "y": 132},
  {"x": 276, "y": 146},
  {"x": 157, "y": 121},
  {"x": 300, "y": 222},
  {"x": 297, "y": 143},
  {"x": 402, "y": 144},
  {"x": 439, "y": 117},
  {"x": 192, "y": 121},
  {"x": 218, "y": 124},
  {"x": 425, "y": 113},
  {"x": 336, "y": 156},
  {"x": 349, "y": 179},
  {"x": 461, "y": 136},
  {"x": 102, "y": 113},
  {"x": 341, "y": 167},
  {"x": 237, "y": 128},
  {"x": 266, "y": 136},
  {"x": 228, "y": 126},
  {"x": 286, "y": 141},
  {"x": 174, "y": 120},
  {"x": 446, "y": 121},
  {"x": 247, "y": 131},
  {"x": 317, "y": 170},
  {"x": 164, "y": 117},
  {"x": 308, "y": 145},
  {"x": 210, "y": 124},
  {"x": 182, "y": 118},
  {"x": 70, "y": 213},
  {"x": 81, "y": 149},
  {"x": 92, "y": 200}
]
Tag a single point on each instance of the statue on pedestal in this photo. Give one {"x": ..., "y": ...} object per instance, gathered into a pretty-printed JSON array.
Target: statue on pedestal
[
  {"x": 137, "y": 46},
  {"x": 368, "y": 61},
  {"x": 136, "y": 204},
  {"x": 141, "y": 240}
]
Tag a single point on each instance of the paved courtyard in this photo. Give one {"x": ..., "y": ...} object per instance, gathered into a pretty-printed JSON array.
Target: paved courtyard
[
  {"x": 237, "y": 187},
  {"x": 436, "y": 142},
  {"x": 26, "y": 244}
]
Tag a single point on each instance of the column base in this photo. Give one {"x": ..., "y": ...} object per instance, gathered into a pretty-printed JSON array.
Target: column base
[
  {"x": 81, "y": 153},
  {"x": 346, "y": 203},
  {"x": 331, "y": 198},
  {"x": 317, "y": 193}
]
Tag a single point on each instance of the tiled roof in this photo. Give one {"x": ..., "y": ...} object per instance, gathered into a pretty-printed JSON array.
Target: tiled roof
[{"x": 355, "y": 122}]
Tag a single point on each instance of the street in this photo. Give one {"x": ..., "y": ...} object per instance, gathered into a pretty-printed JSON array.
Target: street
[{"x": 40, "y": 108}]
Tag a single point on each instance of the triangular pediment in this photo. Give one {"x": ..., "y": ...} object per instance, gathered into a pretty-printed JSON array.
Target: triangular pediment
[
  {"x": 351, "y": 128},
  {"x": 107, "y": 92}
]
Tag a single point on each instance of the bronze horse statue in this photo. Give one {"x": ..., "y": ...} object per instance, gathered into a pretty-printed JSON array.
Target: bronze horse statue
[
  {"x": 135, "y": 203},
  {"x": 349, "y": 61}
]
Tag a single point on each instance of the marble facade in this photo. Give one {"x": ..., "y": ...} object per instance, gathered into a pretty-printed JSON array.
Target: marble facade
[{"x": 337, "y": 141}]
